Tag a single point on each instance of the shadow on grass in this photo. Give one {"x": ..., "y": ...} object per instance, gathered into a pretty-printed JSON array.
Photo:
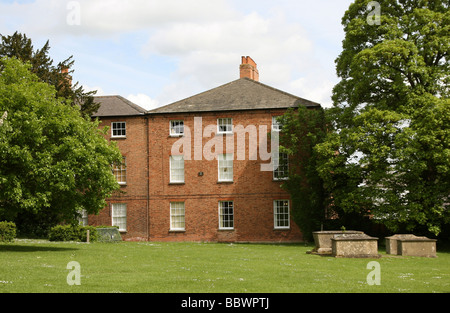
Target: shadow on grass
[{"x": 26, "y": 248}]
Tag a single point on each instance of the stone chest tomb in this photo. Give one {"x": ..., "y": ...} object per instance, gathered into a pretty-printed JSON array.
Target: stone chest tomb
[
  {"x": 322, "y": 239},
  {"x": 354, "y": 246},
  {"x": 411, "y": 245}
]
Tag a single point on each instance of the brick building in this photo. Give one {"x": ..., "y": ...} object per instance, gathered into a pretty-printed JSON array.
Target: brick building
[{"x": 199, "y": 169}]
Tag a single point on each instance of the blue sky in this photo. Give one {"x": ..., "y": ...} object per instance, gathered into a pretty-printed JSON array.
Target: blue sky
[{"x": 155, "y": 52}]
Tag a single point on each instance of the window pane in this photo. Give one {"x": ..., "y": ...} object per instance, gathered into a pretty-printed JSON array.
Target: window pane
[
  {"x": 225, "y": 125},
  {"x": 225, "y": 167},
  {"x": 176, "y": 169},
  {"x": 176, "y": 127},
  {"x": 281, "y": 166},
  {"x": 226, "y": 214},
  {"x": 276, "y": 125},
  {"x": 118, "y": 129},
  {"x": 119, "y": 215},
  {"x": 120, "y": 171},
  {"x": 281, "y": 213},
  {"x": 177, "y": 216},
  {"x": 83, "y": 219}
]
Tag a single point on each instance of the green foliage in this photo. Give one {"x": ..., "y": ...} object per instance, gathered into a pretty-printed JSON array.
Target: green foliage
[
  {"x": 51, "y": 158},
  {"x": 20, "y": 46},
  {"x": 388, "y": 152},
  {"x": 302, "y": 130},
  {"x": 7, "y": 231},
  {"x": 32, "y": 224},
  {"x": 72, "y": 233}
]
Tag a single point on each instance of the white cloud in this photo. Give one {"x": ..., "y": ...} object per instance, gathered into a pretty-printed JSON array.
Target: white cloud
[
  {"x": 119, "y": 15},
  {"x": 188, "y": 46},
  {"x": 317, "y": 90},
  {"x": 100, "y": 91},
  {"x": 144, "y": 101},
  {"x": 209, "y": 53},
  {"x": 182, "y": 38},
  {"x": 108, "y": 17}
]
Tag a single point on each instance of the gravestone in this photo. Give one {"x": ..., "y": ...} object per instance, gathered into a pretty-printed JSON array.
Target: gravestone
[
  {"x": 411, "y": 245},
  {"x": 354, "y": 246},
  {"x": 322, "y": 239},
  {"x": 109, "y": 234},
  {"x": 419, "y": 246},
  {"x": 392, "y": 242}
]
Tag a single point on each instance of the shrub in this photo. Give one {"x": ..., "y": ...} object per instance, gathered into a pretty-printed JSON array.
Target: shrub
[
  {"x": 7, "y": 231},
  {"x": 72, "y": 233},
  {"x": 93, "y": 234},
  {"x": 61, "y": 233}
]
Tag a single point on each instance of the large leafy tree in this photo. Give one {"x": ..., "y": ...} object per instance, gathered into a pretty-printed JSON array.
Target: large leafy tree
[
  {"x": 302, "y": 130},
  {"x": 388, "y": 153},
  {"x": 20, "y": 46},
  {"x": 53, "y": 162}
]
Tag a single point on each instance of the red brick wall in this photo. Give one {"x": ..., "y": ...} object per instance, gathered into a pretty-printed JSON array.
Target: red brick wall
[
  {"x": 134, "y": 193},
  {"x": 252, "y": 190}
]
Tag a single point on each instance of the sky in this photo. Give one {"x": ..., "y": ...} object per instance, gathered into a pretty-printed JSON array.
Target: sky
[{"x": 155, "y": 52}]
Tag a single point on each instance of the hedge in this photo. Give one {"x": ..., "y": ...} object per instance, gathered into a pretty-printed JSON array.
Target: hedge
[
  {"x": 7, "y": 231},
  {"x": 72, "y": 233}
]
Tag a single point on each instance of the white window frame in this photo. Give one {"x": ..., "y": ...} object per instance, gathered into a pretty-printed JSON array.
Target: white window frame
[
  {"x": 177, "y": 169},
  {"x": 177, "y": 216},
  {"x": 225, "y": 167},
  {"x": 119, "y": 216},
  {"x": 122, "y": 130},
  {"x": 226, "y": 122},
  {"x": 176, "y": 128},
  {"x": 224, "y": 205},
  {"x": 120, "y": 172},
  {"x": 276, "y": 125},
  {"x": 280, "y": 216},
  {"x": 83, "y": 219},
  {"x": 281, "y": 171}
]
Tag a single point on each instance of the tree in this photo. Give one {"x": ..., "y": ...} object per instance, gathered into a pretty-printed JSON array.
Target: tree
[
  {"x": 388, "y": 153},
  {"x": 21, "y": 47},
  {"x": 53, "y": 162},
  {"x": 302, "y": 130}
]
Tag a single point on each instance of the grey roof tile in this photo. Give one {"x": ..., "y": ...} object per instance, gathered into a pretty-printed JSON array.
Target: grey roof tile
[
  {"x": 117, "y": 106},
  {"x": 241, "y": 94}
]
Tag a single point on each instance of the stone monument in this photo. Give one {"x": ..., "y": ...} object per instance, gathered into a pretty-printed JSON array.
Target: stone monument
[
  {"x": 411, "y": 245},
  {"x": 322, "y": 239},
  {"x": 354, "y": 246}
]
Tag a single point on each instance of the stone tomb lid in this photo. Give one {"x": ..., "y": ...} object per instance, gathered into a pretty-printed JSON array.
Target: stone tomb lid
[
  {"x": 409, "y": 237},
  {"x": 360, "y": 236},
  {"x": 338, "y": 232}
]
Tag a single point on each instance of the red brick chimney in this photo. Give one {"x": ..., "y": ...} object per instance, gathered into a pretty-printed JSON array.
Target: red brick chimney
[
  {"x": 66, "y": 76},
  {"x": 249, "y": 69}
]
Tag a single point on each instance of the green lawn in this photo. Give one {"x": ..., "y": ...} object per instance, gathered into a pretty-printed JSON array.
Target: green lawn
[{"x": 41, "y": 266}]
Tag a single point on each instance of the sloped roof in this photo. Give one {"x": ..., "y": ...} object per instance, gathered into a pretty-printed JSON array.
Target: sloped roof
[
  {"x": 241, "y": 94},
  {"x": 117, "y": 106}
]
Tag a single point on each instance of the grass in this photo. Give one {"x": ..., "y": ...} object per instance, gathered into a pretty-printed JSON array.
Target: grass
[{"x": 41, "y": 266}]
